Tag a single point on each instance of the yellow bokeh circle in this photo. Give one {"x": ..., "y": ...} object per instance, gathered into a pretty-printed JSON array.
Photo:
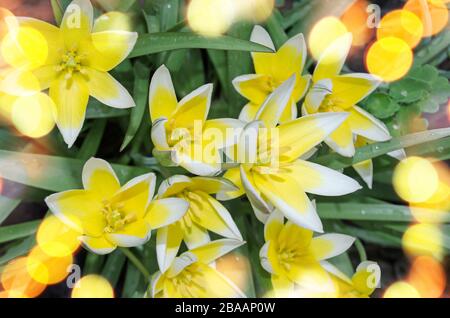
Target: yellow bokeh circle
[
  {"x": 389, "y": 58},
  {"x": 16, "y": 280},
  {"x": 46, "y": 269},
  {"x": 402, "y": 24},
  {"x": 56, "y": 239},
  {"x": 433, "y": 13},
  {"x": 325, "y": 32},
  {"x": 401, "y": 290},
  {"x": 423, "y": 240},
  {"x": 415, "y": 179},
  {"x": 33, "y": 115},
  {"x": 113, "y": 20},
  {"x": 24, "y": 48},
  {"x": 211, "y": 17},
  {"x": 93, "y": 286}
]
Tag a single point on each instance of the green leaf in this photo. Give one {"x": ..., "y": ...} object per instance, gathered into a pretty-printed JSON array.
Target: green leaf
[
  {"x": 92, "y": 142},
  {"x": 134, "y": 286},
  {"x": 7, "y": 206},
  {"x": 58, "y": 174},
  {"x": 98, "y": 110},
  {"x": 18, "y": 231},
  {"x": 18, "y": 249},
  {"x": 160, "y": 42},
  {"x": 377, "y": 212},
  {"x": 371, "y": 151},
  {"x": 219, "y": 61},
  {"x": 381, "y": 105},
  {"x": 141, "y": 84},
  {"x": 113, "y": 266},
  {"x": 169, "y": 14},
  {"x": 276, "y": 30},
  {"x": 57, "y": 11},
  {"x": 93, "y": 263},
  {"x": 438, "y": 45},
  {"x": 409, "y": 90}
]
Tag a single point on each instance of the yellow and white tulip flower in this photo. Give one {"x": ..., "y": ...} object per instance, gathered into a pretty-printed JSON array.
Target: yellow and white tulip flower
[
  {"x": 278, "y": 178},
  {"x": 273, "y": 69},
  {"x": 361, "y": 285},
  {"x": 205, "y": 214},
  {"x": 332, "y": 92},
  {"x": 108, "y": 215},
  {"x": 293, "y": 257},
  {"x": 182, "y": 129},
  {"x": 192, "y": 274},
  {"x": 80, "y": 54}
]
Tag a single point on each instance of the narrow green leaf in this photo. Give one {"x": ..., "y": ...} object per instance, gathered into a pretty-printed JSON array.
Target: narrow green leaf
[
  {"x": 336, "y": 161},
  {"x": 93, "y": 263},
  {"x": 18, "y": 231},
  {"x": 377, "y": 212},
  {"x": 60, "y": 173},
  {"x": 7, "y": 206},
  {"x": 113, "y": 267},
  {"x": 276, "y": 30},
  {"x": 92, "y": 142},
  {"x": 18, "y": 249},
  {"x": 57, "y": 11},
  {"x": 141, "y": 84},
  {"x": 439, "y": 44},
  {"x": 161, "y": 42},
  {"x": 133, "y": 286},
  {"x": 219, "y": 61},
  {"x": 98, "y": 110}
]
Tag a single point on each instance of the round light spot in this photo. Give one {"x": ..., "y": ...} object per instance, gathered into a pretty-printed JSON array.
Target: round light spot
[
  {"x": 211, "y": 17},
  {"x": 93, "y": 286},
  {"x": 24, "y": 48},
  {"x": 389, "y": 58},
  {"x": 433, "y": 13},
  {"x": 33, "y": 115},
  {"x": 17, "y": 282},
  {"x": 56, "y": 239},
  {"x": 401, "y": 290},
  {"x": 415, "y": 179},
  {"x": 402, "y": 24},
  {"x": 236, "y": 267},
  {"x": 113, "y": 20},
  {"x": 325, "y": 32},
  {"x": 355, "y": 19},
  {"x": 428, "y": 277},
  {"x": 423, "y": 240},
  {"x": 47, "y": 269}
]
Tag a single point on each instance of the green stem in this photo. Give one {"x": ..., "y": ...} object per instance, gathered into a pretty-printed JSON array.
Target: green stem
[
  {"x": 361, "y": 250},
  {"x": 136, "y": 262}
]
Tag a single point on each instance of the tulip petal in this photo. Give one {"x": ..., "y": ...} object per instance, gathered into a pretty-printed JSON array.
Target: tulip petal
[
  {"x": 341, "y": 140},
  {"x": 330, "y": 268},
  {"x": 79, "y": 210},
  {"x": 253, "y": 87},
  {"x": 108, "y": 90},
  {"x": 212, "y": 185},
  {"x": 261, "y": 36},
  {"x": 213, "y": 216},
  {"x": 290, "y": 58},
  {"x": 349, "y": 89},
  {"x": 310, "y": 276},
  {"x": 211, "y": 251},
  {"x": 233, "y": 175},
  {"x": 286, "y": 194},
  {"x": 274, "y": 106},
  {"x": 364, "y": 124},
  {"x": 274, "y": 225},
  {"x": 283, "y": 286},
  {"x": 174, "y": 185},
  {"x": 320, "y": 180},
  {"x": 180, "y": 263},
  {"x": 365, "y": 171},
  {"x": 195, "y": 236},
  {"x": 223, "y": 132},
  {"x": 99, "y": 177},
  {"x": 71, "y": 99},
  {"x": 98, "y": 245},
  {"x": 333, "y": 58},
  {"x": 248, "y": 112},
  {"x": 168, "y": 241},
  {"x": 77, "y": 23},
  {"x": 133, "y": 234},
  {"x": 301, "y": 135},
  {"x": 162, "y": 98},
  {"x": 159, "y": 134},
  {"x": 164, "y": 212},
  {"x": 294, "y": 237},
  {"x": 261, "y": 208},
  {"x": 110, "y": 48},
  {"x": 193, "y": 108},
  {"x": 135, "y": 196},
  {"x": 317, "y": 95},
  {"x": 330, "y": 245},
  {"x": 262, "y": 61}
]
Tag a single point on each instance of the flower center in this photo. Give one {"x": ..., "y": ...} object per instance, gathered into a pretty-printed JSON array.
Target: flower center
[
  {"x": 330, "y": 104},
  {"x": 286, "y": 258},
  {"x": 185, "y": 282},
  {"x": 115, "y": 218},
  {"x": 71, "y": 62}
]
